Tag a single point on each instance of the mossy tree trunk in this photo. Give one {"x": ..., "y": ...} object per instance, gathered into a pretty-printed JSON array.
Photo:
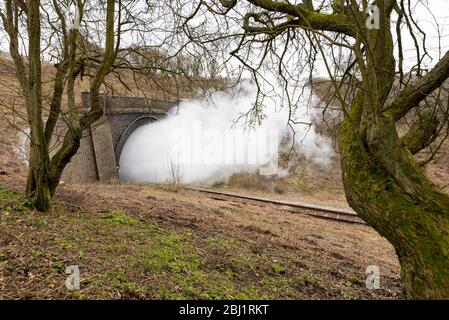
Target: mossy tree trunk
[
  {"x": 383, "y": 181},
  {"x": 415, "y": 220},
  {"x": 38, "y": 188}
]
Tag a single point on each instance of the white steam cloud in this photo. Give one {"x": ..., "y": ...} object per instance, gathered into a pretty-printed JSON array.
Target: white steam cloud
[{"x": 201, "y": 141}]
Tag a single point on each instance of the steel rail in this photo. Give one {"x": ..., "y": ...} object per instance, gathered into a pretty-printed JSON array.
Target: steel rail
[{"x": 337, "y": 214}]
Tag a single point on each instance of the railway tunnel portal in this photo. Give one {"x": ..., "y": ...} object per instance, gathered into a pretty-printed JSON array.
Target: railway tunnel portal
[{"x": 101, "y": 146}]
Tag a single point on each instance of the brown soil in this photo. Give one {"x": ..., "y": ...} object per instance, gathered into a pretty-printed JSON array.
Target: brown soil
[{"x": 137, "y": 241}]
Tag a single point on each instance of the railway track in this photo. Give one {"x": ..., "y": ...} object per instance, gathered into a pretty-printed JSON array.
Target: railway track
[{"x": 337, "y": 214}]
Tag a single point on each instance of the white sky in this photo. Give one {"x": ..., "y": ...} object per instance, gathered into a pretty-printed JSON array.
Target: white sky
[
  {"x": 437, "y": 11},
  {"x": 433, "y": 18},
  {"x": 428, "y": 23}
]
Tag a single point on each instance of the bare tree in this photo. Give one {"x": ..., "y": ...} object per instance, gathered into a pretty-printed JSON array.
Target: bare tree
[
  {"x": 98, "y": 40},
  {"x": 384, "y": 182},
  {"x": 23, "y": 22}
]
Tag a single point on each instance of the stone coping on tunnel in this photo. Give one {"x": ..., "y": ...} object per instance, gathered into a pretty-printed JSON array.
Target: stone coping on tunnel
[{"x": 126, "y": 104}]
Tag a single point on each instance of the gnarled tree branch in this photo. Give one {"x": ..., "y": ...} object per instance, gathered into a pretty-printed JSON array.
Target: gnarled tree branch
[{"x": 413, "y": 95}]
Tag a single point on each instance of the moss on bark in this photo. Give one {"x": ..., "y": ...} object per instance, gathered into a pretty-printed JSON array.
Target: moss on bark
[{"x": 417, "y": 225}]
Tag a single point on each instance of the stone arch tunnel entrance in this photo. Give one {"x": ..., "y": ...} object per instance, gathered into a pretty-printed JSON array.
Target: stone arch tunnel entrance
[
  {"x": 140, "y": 120},
  {"x": 100, "y": 149}
]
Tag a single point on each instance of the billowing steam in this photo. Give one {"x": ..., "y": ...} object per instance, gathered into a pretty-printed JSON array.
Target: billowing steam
[{"x": 201, "y": 141}]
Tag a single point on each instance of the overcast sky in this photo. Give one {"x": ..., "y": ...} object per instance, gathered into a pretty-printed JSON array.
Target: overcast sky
[
  {"x": 428, "y": 23},
  {"x": 432, "y": 16},
  {"x": 433, "y": 20}
]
